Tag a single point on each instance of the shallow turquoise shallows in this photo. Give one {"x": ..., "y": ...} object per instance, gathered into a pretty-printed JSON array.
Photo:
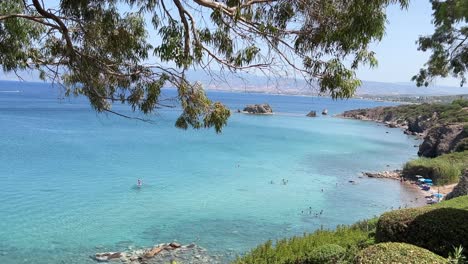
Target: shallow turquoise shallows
[{"x": 68, "y": 175}]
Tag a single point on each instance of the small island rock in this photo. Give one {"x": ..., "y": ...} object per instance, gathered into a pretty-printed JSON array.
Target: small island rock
[{"x": 258, "y": 109}]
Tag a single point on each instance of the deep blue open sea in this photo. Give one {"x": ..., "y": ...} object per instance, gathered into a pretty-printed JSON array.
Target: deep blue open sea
[{"x": 68, "y": 175}]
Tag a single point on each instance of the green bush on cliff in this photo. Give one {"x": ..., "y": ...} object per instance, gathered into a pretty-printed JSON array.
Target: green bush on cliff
[
  {"x": 397, "y": 253},
  {"x": 446, "y": 113},
  {"x": 326, "y": 254},
  {"x": 437, "y": 228},
  {"x": 325, "y": 245},
  {"x": 444, "y": 169}
]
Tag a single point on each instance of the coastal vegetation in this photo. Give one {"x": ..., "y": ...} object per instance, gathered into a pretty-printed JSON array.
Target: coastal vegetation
[
  {"x": 398, "y": 253},
  {"x": 438, "y": 227},
  {"x": 444, "y": 128},
  {"x": 444, "y": 169},
  {"x": 420, "y": 235}
]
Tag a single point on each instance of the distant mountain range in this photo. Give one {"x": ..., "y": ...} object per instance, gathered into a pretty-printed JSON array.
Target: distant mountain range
[{"x": 251, "y": 83}]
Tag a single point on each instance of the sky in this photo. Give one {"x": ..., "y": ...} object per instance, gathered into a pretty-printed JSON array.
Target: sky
[{"x": 397, "y": 53}]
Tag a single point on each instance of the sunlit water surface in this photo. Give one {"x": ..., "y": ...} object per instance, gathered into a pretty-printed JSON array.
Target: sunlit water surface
[{"x": 68, "y": 175}]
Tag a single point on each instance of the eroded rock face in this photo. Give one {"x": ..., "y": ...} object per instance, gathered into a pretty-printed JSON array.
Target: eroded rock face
[
  {"x": 419, "y": 124},
  {"x": 441, "y": 140},
  {"x": 461, "y": 189},
  {"x": 258, "y": 109}
]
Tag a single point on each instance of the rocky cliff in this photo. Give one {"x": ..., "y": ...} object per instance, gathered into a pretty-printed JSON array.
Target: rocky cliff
[
  {"x": 441, "y": 126},
  {"x": 461, "y": 189}
]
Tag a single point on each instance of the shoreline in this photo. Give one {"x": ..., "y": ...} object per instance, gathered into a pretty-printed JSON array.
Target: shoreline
[{"x": 412, "y": 185}]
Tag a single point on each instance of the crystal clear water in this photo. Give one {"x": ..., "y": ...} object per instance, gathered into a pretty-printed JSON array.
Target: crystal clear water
[{"x": 68, "y": 175}]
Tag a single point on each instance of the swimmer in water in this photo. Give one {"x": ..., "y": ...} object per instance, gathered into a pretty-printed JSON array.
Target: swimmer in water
[{"x": 139, "y": 183}]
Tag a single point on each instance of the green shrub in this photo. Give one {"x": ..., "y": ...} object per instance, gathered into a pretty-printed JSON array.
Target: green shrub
[
  {"x": 300, "y": 250},
  {"x": 437, "y": 228},
  {"x": 445, "y": 169},
  {"x": 328, "y": 253},
  {"x": 397, "y": 253}
]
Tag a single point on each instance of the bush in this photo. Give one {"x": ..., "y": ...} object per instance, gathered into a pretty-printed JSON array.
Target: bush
[
  {"x": 328, "y": 253},
  {"x": 397, "y": 253},
  {"x": 302, "y": 250},
  {"x": 437, "y": 228},
  {"x": 445, "y": 169}
]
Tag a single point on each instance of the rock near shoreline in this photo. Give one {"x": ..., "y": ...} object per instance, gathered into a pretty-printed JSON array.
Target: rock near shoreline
[
  {"x": 396, "y": 174},
  {"x": 461, "y": 189},
  {"x": 160, "y": 254}
]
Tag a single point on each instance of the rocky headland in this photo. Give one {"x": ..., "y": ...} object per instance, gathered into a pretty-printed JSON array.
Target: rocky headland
[{"x": 442, "y": 127}]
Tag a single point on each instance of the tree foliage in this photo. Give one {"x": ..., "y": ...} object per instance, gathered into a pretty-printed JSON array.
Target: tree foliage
[
  {"x": 448, "y": 44},
  {"x": 127, "y": 50}
]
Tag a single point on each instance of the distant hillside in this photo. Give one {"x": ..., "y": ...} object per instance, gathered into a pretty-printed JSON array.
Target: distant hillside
[
  {"x": 254, "y": 83},
  {"x": 243, "y": 82}
]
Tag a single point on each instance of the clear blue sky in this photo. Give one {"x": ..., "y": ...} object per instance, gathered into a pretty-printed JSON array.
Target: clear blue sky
[{"x": 398, "y": 56}]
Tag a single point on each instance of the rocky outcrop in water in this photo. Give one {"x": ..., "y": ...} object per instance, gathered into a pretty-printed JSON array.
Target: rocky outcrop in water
[
  {"x": 461, "y": 189},
  {"x": 441, "y": 139},
  {"x": 159, "y": 254},
  {"x": 312, "y": 114},
  {"x": 396, "y": 174},
  {"x": 258, "y": 109}
]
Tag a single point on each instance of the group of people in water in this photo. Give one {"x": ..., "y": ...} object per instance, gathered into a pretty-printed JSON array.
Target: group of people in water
[
  {"x": 283, "y": 182},
  {"x": 316, "y": 214}
]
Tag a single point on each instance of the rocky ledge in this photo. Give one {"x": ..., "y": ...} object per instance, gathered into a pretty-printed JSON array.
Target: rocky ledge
[
  {"x": 263, "y": 109},
  {"x": 396, "y": 174},
  {"x": 159, "y": 254},
  {"x": 439, "y": 137}
]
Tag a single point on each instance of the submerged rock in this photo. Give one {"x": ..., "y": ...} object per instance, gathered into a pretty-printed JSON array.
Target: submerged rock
[
  {"x": 104, "y": 257},
  {"x": 258, "y": 109}
]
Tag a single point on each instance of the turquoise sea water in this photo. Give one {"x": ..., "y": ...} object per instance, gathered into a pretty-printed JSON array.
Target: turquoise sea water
[{"x": 68, "y": 175}]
